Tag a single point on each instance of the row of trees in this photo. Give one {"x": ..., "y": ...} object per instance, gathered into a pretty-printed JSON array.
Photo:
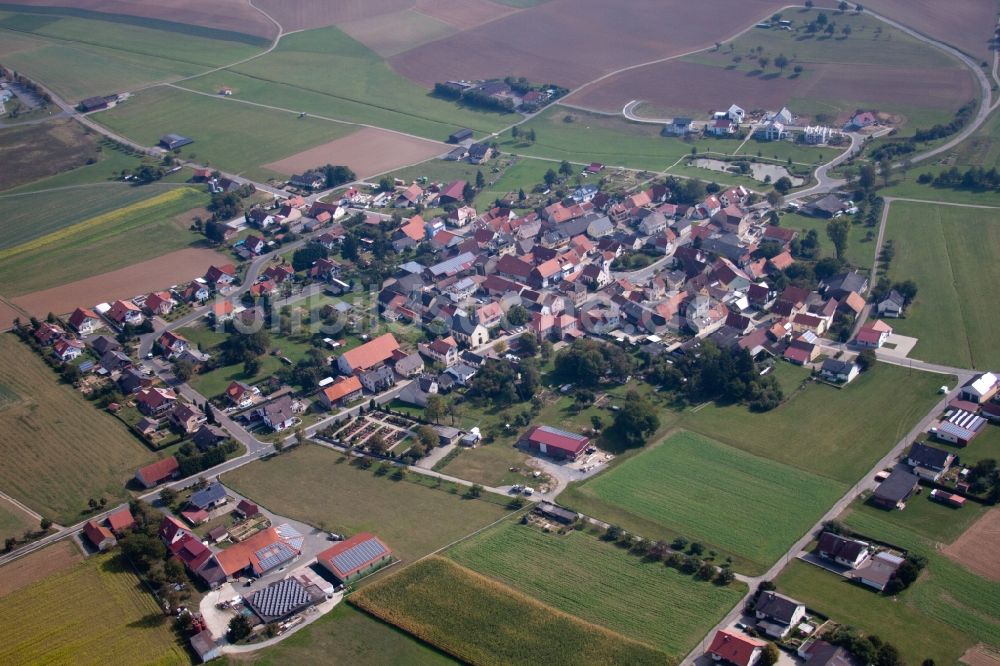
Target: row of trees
[{"x": 975, "y": 179}]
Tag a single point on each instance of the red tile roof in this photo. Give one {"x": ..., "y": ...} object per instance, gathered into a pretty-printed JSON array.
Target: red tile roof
[
  {"x": 121, "y": 520},
  {"x": 561, "y": 440},
  {"x": 344, "y": 387},
  {"x": 734, "y": 647},
  {"x": 371, "y": 353},
  {"x": 96, "y": 533},
  {"x": 158, "y": 471}
]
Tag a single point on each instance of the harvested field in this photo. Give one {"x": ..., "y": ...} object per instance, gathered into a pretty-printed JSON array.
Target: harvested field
[
  {"x": 40, "y": 564},
  {"x": 37, "y": 151},
  {"x": 226, "y": 15},
  {"x": 964, "y": 24},
  {"x": 544, "y": 43},
  {"x": 14, "y": 521},
  {"x": 979, "y": 656},
  {"x": 394, "y": 33},
  {"x": 463, "y": 14},
  {"x": 978, "y": 546},
  {"x": 481, "y": 621},
  {"x": 308, "y": 14},
  {"x": 670, "y": 87},
  {"x": 7, "y": 315},
  {"x": 170, "y": 269},
  {"x": 368, "y": 152}
]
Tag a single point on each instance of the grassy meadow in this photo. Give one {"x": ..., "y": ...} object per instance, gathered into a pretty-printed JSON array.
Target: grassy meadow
[
  {"x": 319, "y": 486},
  {"x": 58, "y": 449},
  {"x": 600, "y": 583},
  {"x": 56, "y": 619},
  {"x": 860, "y": 252},
  {"x": 481, "y": 621},
  {"x": 746, "y": 507},
  {"x": 13, "y": 521},
  {"x": 950, "y": 253},
  {"x": 141, "y": 230}
]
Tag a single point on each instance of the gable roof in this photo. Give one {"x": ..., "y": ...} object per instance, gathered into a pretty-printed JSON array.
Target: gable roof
[
  {"x": 344, "y": 387},
  {"x": 371, "y": 353},
  {"x": 930, "y": 457},
  {"x": 734, "y": 647},
  {"x": 777, "y": 606},
  {"x": 162, "y": 469},
  {"x": 263, "y": 551},
  {"x": 352, "y": 555}
]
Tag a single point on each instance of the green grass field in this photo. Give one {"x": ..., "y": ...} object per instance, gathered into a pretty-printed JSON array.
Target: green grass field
[
  {"x": 349, "y": 636},
  {"x": 13, "y": 521},
  {"x": 860, "y": 252},
  {"x": 950, "y": 253},
  {"x": 834, "y": 433},
  {"x": 325, "y": 72},
  {"x": 481, "y": 621},
  {"x": 58, "y": 449},
  {"x": 747, "y": 507},
  {"x": 219, "y": 128},
  {"x": 142, "y": 230},
  {"x": 907, "y": 187},
  {"x": 985, "y": 445},
  {"x": 55, "y": 619},
  {"x": 600, "y": 583},
  {"x": 310, "y": 484},
  {"x": 929, "y": 519}
]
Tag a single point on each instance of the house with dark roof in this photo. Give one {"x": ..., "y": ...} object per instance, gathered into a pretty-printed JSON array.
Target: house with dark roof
[
  {"x": 777, "y": 614},
  {"x": 821, "y": 653},
  {"x": 895, "y": 490},
  {"x": 842, "y": 284},
  {"x": 210, "y": 497},
  {"x": 827, "y": 206},
  {"x": 377, "y": 379},
  {"x": 355, "y": 558},
  {"x": 839, "y": 371},
  {"x": 174, "y": 141},
  {"x": 278, "y": 414},
  {"x": 929, "y": 462},
  {"x": 208, "y": 437},
  {"x": 892, "y": 305},
  {"x": 878, "y": 570},
  {"x": 842, "y": 550}
]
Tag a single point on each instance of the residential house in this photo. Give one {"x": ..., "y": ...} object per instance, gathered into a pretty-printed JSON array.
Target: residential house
[
  {"x": 125, "y": 313},
  {"x": 873, "y": 335},
  {"x": 878, "y": 570},
  {"x": 839, "y": 371},
  {"x": 679, "y": 126},
  {"x": 928, "y": 462},
  {"x": 187, "y": 417},
  {"x": 368, "y": 355},
  {"x": 820, "y": 653},
  {"x": 777, "y": 614},
  {"x": 843, "y": 550},
  {"x": 156, "y": 473},
  {"x": 842, "y": 284},
  {"x": 278, "y": 274},
  {"x": 469, "y": 332},
  {"x": 121, "y": 521},
  {"x": 310, "y": 180},
  {"x": 159, "y": 303},
  {"x": 829, "y": 206},
  {"x": 241, "y": 395},
  {"x": 377, "y": 379},
  {"x": 479, "y": 153},
  {"x": 734, "y": 647},
  {"x": 67, "y": 350},
  {"x": 220, "y": 278},
  {"x": 173, "y": 344},
  {"x": 99, "y": 536},
  {"x": 262, "y": 553},
  {"x": 254, "y": 244},
  {"x": 408, "y": 365},
  {"x": 895, "y": 490},
  {"x": 862, "y": 119},
  {"x": 341, "y": 392},
  {"x": 278, "y": 414},
  {"x": 452, "y": 193},
  {"x": 210, "y": 497},
  {"x": 442, "y": 350},
  {"x": 409, "y": 196},
  {"x": 207, "y": 437},
  {"x": 85, "y": 321},
  {"x": 195, "y": 292},
  {"x": 156, "y": 400},
  {"x": 462, "y": 373},
  {"x": 721, "y": 127},
  {"x": 892, "y": 305}
]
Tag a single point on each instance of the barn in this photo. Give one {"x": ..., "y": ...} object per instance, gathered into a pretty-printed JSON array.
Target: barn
[
  {"x": 555, "y": 443},
  {"x": 356, "y": 557}
]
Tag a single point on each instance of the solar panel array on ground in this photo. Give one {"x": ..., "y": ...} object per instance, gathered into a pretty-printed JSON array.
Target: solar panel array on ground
[
  {"x": 273, "y": 555},
  {"x": 358, "y": 556},
  {"x": 280, "y": 599}
]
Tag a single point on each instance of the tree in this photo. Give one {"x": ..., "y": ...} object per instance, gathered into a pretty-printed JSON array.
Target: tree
[
  {"x": 565, "y": 168},
  {"x": 435, "y": 409},
  {"x": 528, "y": 343},
  {"x": 480, "y": 180},
  {"x": 468, "y": 192},
  {"x": 842, "y": 6},
  {"x": 775, "y": 199},
  {"x": 521, "y": 196},
  {"x": 45, "y": 524},
  {"x": 798, "y": 69},
  {"x": 783, "y": 185},
  {"x": 475, "y": 490},
  {"x": 251, "y": 366},
  {"x": 837, "y": 231},
  {"x": 337, "y": 175},
  {"x": 210, "y": 413},
  {"x": 9, "y": 543},
  {"x": 515, "y": 132},
  {"x": 596, "y": 422},
  {"x": 518, "y": 315},
  {"x": 239, "y": 628},
  {"x": 809, "y": 4},
  {"x": 885, "y": 171},
  {"x": 763, "y": 61},
  {"x": 531, "y": 135},
  {"x": 866, "y": 177},
  {"x": 427, "y": 436},
  {"x": 636, "y": 420},
  {"x": 168, "y": 496},
  {"x": 546, "y": 349},
  {"x": 866, "y": 359},
  {"x": 550, "y": 178},
  {"x": 769, "y": 656},
  {"x": 304, "y": 257},
  {"x": 183, "y": 369},
  {"x": 781, "y": 62}
]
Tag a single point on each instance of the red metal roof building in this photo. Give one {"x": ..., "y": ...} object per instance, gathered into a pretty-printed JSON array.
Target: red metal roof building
[
  {"x": 355, "y": 557},
  {"x": 555, "y": 442}
]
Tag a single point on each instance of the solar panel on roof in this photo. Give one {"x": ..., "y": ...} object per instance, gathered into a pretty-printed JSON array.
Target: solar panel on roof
[
  {"x": 359, "y": 555},
  {"x": 273, "y": 555},
  {"x": 562, "y": 433}
]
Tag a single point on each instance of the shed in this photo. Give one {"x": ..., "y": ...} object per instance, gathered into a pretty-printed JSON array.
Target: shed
[
  {"x": 460, "y": 135},
  {"x": 895, "y": 490},
  {"x": 204, "y": 645},
  {"x": 557, "y": 513},
  {"x": 174, "y": 141}
]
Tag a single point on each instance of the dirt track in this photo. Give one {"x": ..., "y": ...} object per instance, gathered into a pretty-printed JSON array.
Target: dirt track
[
  {"x": 368, "y": 152},
  {"x": 170, "y": 269},
  {"x": 978, "y": 546}
]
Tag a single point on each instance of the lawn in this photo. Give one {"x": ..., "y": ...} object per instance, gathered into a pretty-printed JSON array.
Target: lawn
[
  {"x": 932, "y": 520},
  {"x": 950, "y": 253},
  {"x": 349, "y": 636},
  {"x": 219, "y": 127},
  {"x": 13, "y": 521},
  {"x": 838, "y": 433},
  {"x": 326, "y": 72},
  {"x": 862, "y": 608},
  {"x": 860, "y": 252},
  {"x": 142, "y": 230},
  {"x": 80, "y": 57},
  {"x": 58, "y": 449},
  {"x": 747, "y": 507},
  {"x": 318, "y": 486},
  {"x": 907, "y": 187},
  {"x": 483, "y": 622},
  {"x": 985, "y": 445},
  {"x": 55, "y": 619},
  {"x": 600, "y": 583}
]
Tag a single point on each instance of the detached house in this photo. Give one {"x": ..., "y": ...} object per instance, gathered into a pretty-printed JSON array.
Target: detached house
[
  {"x": 929, "y": 462},
  {"x": 341, "y": 392},
  {"x": 777, "y": 614},
  {"x": 154, "y": 401},
  {"x": 220, "y": 278},
  {"x": 159, "y": 303},
  {"x": 241, "y": 395},
  {"x": 735, "y": 647},
  {"x": 85, "y": 321},
  {"x": 125, "y": 313},
  {"x": 187, "y": 418},
  {"x": 67, "y": 349},
  {"x": 442, "y": 350},
  {"x": 173, "y": 344},
  {"x": 278, "y": 414},
  {"x": 845, "y": 552},
  {"x": 841, "y": 372},
  {"x": 47, "y": 333},
  {"x": 892, "y": 305}
]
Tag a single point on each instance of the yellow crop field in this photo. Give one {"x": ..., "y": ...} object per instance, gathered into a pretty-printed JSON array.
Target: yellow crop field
[
  {"x": 107, "y": 219},
  {"x": 96, "y": 612}
]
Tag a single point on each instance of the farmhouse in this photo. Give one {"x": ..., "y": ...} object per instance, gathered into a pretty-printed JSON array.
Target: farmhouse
[
  {"x": 960, "y": 428},
  {"x": 777, "y": 614},
  {"x": 555, "y": 443},
  {"x": 827, "y": 206},
  {"x": 310, "y": 180},
  {"x": 895, "y": 490},
  {"x": 735, "y": 647},
  {"x": 99, "y": 535},
  {"x": 877, "y": 571},
  {"x": 368, "y": 355},
  {"x": 845, "y": 552},
  {"x": 459, "y": 136},
  {"x": 343, "y": 391},
  {"x": 263, "y": 552},
  {"x": 174, "y": 141},
  {"x": 556, "y": 513},
  {"x": 356, "y": 557},
  {"x": 981, "y": 389},
  {"x": 156, "y": 473},
  {"x": 928, "y": 462}
]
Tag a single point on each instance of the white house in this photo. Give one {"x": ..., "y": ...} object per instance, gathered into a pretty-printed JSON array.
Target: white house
[
  {"x": 841, "y": 372},
  {"x": 892, "y": 305},
  {"x": 777, "y": 614},
  {"x": 736, "y": 114}
]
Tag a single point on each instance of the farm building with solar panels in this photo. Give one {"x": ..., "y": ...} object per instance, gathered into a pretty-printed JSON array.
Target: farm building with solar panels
[
  {"x": 555, "y": 443},
  {"x": 356, "y": 557},
  {"x": 263, "y": 552},
  {"x": 282, "y": 599}
]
